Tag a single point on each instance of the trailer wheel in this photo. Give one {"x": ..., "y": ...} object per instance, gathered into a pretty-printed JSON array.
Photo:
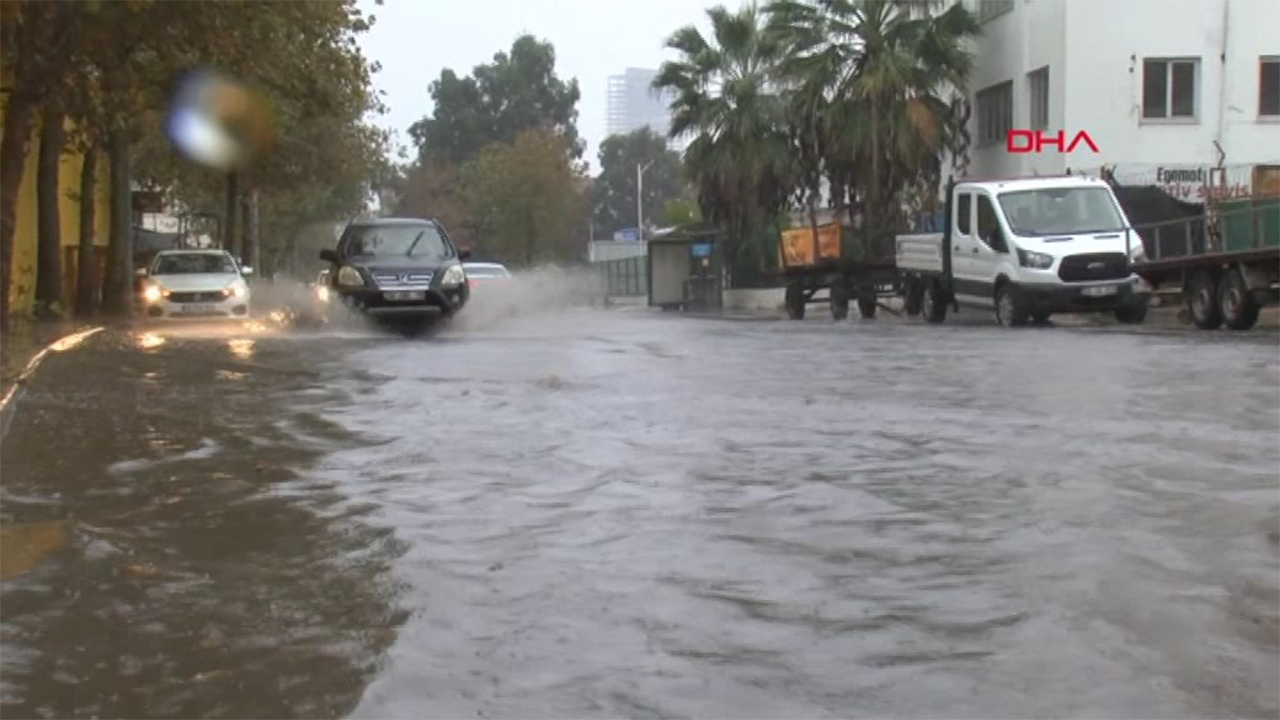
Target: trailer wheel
[
  {"x": 867, "y": 302},
  {"x": 795, "y": 302},
  {"x": 1239, "y": 309},
  {"x": 1202, "y": 301},
  {"x": 913, "y": 297},
  {"x": 1011, "y": 311},
  {"x": 933, "y": 302},
  {"x": 839, "y": 299}
]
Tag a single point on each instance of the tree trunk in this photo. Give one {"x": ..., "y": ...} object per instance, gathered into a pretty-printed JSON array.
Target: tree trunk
[
  {"x": 86, "y": 265},
  {"x": 230, "y": 226},
  {"x": 48, "y": 225},
  {"x": 19, "y": 114},
  {"x": 117, "y": 295},
  {"x": 249, "y": 204}
]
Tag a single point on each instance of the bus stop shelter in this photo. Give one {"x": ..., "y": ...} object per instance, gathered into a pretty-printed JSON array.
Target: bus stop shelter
[{"x": 685, "y": 270}]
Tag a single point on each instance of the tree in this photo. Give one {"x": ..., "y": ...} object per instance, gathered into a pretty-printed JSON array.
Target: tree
[
  {"x": 876, "y": 72},
  {"x": 516, "y": 92},
  {"x": 433, "y": 190},
  {"x": 524, "y": 200},
  {"x": 615, "y": 188},
  {"x": 34, "y": 42},
  {"x": 740, "y": 158},
  {"x": 48, "y": 215}
]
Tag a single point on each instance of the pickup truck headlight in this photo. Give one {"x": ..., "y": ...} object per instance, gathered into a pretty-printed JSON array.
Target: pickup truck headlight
[
  {"x": 1035, "y": 260},
  {"x": 1137, "y": 253},
  {"x": 350, "y": 277},
  {"x": 453, "y": 277}
]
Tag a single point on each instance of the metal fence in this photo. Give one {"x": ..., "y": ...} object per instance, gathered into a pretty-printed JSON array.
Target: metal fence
[{"x": 627, "y": 277}]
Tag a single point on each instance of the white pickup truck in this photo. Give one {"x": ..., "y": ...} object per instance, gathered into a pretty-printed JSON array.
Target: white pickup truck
[{"x": 1026, "y": 249}]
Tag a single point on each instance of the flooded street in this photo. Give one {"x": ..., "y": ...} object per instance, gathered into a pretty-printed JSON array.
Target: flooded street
[{"x": 621, "y": 514}]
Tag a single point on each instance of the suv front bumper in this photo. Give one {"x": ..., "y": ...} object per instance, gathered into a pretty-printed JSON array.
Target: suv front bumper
[{"x": 375, "y": 303}]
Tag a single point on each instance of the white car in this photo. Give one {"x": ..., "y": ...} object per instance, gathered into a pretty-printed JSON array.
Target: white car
[{"x": 195, "y": 284}]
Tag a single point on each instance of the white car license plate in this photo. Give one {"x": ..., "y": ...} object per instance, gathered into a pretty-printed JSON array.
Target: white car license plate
[
  {"x": 197, "y": 308},
  {"x": 1099, "y": 291},
  {"x": 405, "y": 295}
]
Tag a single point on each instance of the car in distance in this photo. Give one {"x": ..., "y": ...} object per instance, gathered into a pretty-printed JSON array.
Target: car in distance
[
  {"x": 397, "y": 268},
  {"x": 182, "y": 284},
  {"x": 490, "y": 283}
]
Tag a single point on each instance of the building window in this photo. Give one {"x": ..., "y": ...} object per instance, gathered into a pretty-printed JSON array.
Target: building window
[
  {"x": 1169, "y": 89},
  {"x": 1038, "y": 82},
  {"x": 988, "y": 9},
  {"x": 995, "y": 113},
  {"x": 1269, "y": 87}
]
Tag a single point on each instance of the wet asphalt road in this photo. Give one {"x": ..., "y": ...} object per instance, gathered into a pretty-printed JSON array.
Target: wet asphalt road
[{"x": 594, "y": 514}]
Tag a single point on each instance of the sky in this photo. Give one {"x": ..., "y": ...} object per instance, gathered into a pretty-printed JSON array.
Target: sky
[{"x": 414, "y": 40}]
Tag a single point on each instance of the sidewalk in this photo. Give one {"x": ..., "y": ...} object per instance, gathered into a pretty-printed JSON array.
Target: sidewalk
[{"x": 24, "y": 340}]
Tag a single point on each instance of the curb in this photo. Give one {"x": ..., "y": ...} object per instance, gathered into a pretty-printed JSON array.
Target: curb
[{"x": 9, "y": 402}]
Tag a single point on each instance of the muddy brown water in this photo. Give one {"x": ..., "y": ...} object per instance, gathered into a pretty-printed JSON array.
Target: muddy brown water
[{"x": 591, "y": 514}]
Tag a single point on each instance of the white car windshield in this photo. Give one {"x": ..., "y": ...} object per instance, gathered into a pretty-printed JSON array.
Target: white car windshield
[
  {"x": 193, "y": 264},
  {"x": 1061, "y": 211}
]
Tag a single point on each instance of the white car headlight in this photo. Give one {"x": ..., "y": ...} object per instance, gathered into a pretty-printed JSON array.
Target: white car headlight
[
  {"x": 152, "y": 293},
  {"x": 454, "y": 276},
  {"x": 1035, "y": 260},
  {"x": 350, "y": 277},
  {"x": 236, "y": 290}
]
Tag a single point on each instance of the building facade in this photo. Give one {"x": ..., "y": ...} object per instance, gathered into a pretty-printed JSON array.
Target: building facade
[
  {"x": 1165, "y": 91},
  {"x": 633, "y": 103}
]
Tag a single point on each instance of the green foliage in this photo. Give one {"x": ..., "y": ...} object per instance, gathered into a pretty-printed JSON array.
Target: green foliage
[
  {"x": 858, "y": 95},
  {"x": 524, "y": 200},
  {"x": 679, "y": 211},
  {"x": 516, "y": 92},
  {"x": 740, "y": 160},
  {"x": 614, "y": 192}
]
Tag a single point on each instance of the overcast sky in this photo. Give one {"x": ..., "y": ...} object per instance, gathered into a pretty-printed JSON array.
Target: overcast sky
[{"x": 415, "y": 39}]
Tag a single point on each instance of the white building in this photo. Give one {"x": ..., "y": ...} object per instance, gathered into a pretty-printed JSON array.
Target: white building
[
  {"x": 633, "y": 103},
  {"x": 1166, "y": 89}
]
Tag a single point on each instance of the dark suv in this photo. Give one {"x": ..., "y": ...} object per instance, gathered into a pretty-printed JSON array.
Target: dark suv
[{"x": 398, "y": 268}]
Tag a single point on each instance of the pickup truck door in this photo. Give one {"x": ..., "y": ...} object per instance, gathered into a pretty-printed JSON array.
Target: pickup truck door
[
  {"x": 990, "y": 249},
  {"x": 965, "y": 274}
]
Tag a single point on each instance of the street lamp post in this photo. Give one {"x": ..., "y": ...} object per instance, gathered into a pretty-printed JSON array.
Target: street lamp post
[{"x": 640, "y": 198}]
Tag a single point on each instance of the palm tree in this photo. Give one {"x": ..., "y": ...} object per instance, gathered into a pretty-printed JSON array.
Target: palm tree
[
  {"x": 740, "y": 159},
  {"x": 882, "y": 68}
]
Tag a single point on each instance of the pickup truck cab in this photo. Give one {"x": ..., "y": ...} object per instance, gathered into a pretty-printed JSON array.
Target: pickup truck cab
[{"x": 1026, "y": 249}]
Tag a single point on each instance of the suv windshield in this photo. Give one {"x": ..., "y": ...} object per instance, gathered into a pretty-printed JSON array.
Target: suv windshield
[
  {"x": 419, "y": 241},
  {"x": 193, "y": 264},
  {"x": 1061, "y": 211}
]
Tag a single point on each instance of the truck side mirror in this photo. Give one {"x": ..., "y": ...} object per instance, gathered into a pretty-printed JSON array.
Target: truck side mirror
[{"x": 329, "y": 256}]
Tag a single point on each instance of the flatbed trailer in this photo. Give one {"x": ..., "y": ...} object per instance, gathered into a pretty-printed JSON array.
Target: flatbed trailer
[
  {"x": 835, "y": 269},
  {"x": 1226, "y": 266}
]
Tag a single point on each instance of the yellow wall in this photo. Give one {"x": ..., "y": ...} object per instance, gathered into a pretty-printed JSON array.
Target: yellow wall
[{"x": 23, "y": 280}]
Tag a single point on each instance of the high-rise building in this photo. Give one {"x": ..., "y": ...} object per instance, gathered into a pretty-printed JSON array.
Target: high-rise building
[{"x": 633, "y": 103}]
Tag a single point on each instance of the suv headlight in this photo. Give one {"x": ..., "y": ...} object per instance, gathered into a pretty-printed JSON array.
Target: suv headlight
[
  {"x": 453, "y": 277},
  {"x": 350, "y": 277},
  {"x": 1035, "y": 260}
]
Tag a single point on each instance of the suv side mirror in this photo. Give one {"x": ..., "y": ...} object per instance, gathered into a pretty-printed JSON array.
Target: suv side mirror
[
  {"x": 329, "y": 256},
  {"x": 464, "y": 252}
]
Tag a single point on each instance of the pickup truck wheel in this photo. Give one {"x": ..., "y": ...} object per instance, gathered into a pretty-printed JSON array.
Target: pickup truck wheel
[
  {"x": 933, "y": 302},
  {"x": 1202, "y": 301},
  {"x": 1239, "y": 309},
  {"x": 1011, "y": 311},
  {"x": 839, "y": 300},
  {"x": 1132, "y": 313},
  {"x": 795, "y": 302}
]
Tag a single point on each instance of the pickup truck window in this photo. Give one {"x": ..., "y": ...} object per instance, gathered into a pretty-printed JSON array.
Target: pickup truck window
[
  {"x": 963, "y": 210},
  {"x": 1061, "y": 211},
  {"x": 988, "y": 225}
]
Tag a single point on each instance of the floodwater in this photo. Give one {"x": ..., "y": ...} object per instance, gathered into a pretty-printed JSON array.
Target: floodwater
[{"x": 615, "y": 514}]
